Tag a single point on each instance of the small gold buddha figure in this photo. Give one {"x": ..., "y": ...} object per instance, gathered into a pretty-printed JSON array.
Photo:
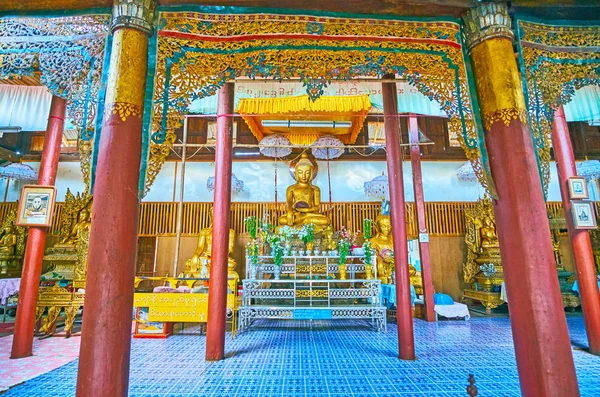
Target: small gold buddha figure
[
  {"x": 202, "y": 257},
  {"x": 303, "y": 199},
  {"x": 328, "y": 241},
  {"x": 83, "y": 224},
  {"x": 489, "y": 238},
  {"x": 8, "y": 241},
  {"x": 383, "y": 243}
]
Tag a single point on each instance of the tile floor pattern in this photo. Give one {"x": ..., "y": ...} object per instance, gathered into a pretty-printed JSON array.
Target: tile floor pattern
[
  {"x": 329, "y": 359},
  {"x": 49, "y": 353}
]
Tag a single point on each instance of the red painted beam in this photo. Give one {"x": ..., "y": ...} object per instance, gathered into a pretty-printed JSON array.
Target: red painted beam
[
  {"x": 217, "y": 289},
  {"x": 36, "y": 241},
  {"x": 406, "y": 339},
  {"x": 415, "y": 160},
  {"x": 580, "y": 239}
]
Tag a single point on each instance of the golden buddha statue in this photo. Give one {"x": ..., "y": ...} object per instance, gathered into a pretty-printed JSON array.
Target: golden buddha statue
[
  {"x": 12, "y": 246},
  {"x": 78, "y": 228},
  {"x": 482, "y": 272},
  {"x": 202, "y": 258},
  {"x": 383, "y": 243},
  {"x": 303, "y": 199},
  {"x": 489, "y": 238},
  {"x": 8, "y": 241},
  {"x": 328, "y": 241}
]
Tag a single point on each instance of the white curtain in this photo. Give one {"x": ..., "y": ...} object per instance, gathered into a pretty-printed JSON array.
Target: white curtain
[
  {"x": 24, "y": 106},
  {"x": 585, "y": 104}
]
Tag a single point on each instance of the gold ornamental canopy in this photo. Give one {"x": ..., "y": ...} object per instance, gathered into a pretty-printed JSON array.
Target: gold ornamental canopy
[{"x": 302, "y": 120}]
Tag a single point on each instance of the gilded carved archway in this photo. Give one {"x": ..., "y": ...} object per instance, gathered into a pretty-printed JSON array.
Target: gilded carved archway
[
  {"x": 198, "y": 52},
  {"x": 69, "y": 52},
  {"x": 555, "y": 60}
]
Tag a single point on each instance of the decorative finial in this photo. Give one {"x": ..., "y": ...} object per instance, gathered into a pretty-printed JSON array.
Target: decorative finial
[
  {"x": 472, "y": 389},
  {"x": 134, "y": 14},
  {"x": 485, "y": 21}
]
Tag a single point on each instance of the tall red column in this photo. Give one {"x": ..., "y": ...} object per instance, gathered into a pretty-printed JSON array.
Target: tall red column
[
  {"x": 539, "y": 327},
  {"x": 415, "y": 159},
  {"x": 217, "y": 289},
  {"x": 406, "y": 339},
  {"x": 580, "y": 239},
  {"x": 106, "y": 334},
  {"x": 34, "y": 252}
]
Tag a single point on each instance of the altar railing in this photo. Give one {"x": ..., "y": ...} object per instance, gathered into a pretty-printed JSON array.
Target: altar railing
[{"x": 444, "y": 219}]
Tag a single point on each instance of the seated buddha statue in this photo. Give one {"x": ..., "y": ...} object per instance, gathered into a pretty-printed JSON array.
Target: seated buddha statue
[
  {"x": 8, "y": 242},
  {"x": 82, "y": 224},
  {"x": 489, "y": 238},
  {"x": 382, "y": 242},
  {"x": 303, "y": 199},
  {"x": 202, "y": 256}
]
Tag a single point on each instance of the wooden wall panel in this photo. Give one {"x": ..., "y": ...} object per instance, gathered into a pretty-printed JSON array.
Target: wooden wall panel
[{"x": 447, "y": 256}]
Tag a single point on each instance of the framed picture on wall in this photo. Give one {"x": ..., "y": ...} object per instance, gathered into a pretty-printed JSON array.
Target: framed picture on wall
[
  {"x": 36, "y": 206},
  {"x": 578, "y": 188},
  {"x": 584, "y": 215}
]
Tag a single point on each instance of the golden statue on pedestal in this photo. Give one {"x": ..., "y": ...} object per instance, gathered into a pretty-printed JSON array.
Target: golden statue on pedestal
[
  {"x": 303, "y": 199},
  {"x": 483, "y": 268},
  {"x": 198, "y": 266},
  {"x": 68, "y": 264},
  {"x": 12, "y": 247},
  {"x": 383, "y": 243}
]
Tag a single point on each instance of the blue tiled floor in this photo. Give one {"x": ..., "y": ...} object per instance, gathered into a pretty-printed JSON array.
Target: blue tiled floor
[{"x": 329, "y": 359}]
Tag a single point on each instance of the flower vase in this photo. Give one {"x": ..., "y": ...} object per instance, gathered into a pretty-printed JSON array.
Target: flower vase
[
  {"x": 342, "y": 272},
  {"x": 277, "y": 272},
  {"x": 369, "y": 272}
]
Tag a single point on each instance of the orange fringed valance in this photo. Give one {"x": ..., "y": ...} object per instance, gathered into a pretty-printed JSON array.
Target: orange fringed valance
[{"x": 325, "y": 108}]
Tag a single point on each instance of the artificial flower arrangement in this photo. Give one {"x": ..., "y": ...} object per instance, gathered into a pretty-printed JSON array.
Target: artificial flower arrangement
[
  {"x": 367, "y": 228},
  {"x": 348, "y": 236},
  {"x": 250, "y": 223},
  {"x": 307, "y": 233}
]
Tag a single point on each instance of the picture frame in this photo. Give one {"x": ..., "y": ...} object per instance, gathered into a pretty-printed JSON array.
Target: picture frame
[
  {"x": 36, "y": 206},
  {"x": 578, "y": 188},
  {"x": 583, "y": 214}
]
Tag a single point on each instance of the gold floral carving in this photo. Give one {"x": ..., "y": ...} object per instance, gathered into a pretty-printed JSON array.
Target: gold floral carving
[
  {"x": 85, "y": 159},
  {"x": 123, "y": 109},
  {"x": 557, "y": 59},
  {"x": 255, "y": 46},
  {"x": 505, "y": 116}
]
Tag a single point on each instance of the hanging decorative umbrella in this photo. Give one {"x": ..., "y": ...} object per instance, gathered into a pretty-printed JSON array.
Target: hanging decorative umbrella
[
  {"x": 378, "y": 187},
  {"x": 327, "y": 147},
  {"x": 237, "y": 185},
  {"x": 269, "y": 146},
  {"x": 589, "y": 169},
  {"x": 20, "y": 172},
  {"x": 466, "y": 173}
]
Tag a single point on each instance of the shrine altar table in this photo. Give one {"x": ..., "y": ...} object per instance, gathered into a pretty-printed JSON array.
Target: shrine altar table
[
  {"x": 453, "y": 311},
  {"x": 576, "y": 286},
  {"x": 8, "y": 287},
  {"x": 388, "y": 295}
]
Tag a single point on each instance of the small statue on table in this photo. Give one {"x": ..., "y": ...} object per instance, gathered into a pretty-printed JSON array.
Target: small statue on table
[
  {"x": 12, "y": 247},
  {"x": 198, "y": 266}
]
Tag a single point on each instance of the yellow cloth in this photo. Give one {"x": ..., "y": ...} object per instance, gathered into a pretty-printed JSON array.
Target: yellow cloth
[{"x": 330, "y": 108}]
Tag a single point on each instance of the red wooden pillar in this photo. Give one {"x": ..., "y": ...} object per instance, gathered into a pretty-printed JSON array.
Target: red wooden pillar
[
  {"x": 539, "y": 327},
  {"x": 406, "y": 339},
  {"x": 106, "y": 334},
  {"x": 415, "y": 159},
  {"x": 217, "y": 289},
  {"x": 580, "y": 239},
  {"x": 34, "y": 252}
]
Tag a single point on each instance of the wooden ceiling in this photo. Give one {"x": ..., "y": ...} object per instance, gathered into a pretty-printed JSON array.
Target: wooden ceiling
[
  {"x": 25, "y": 80},
  {"x": 552, "y": 9}
]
